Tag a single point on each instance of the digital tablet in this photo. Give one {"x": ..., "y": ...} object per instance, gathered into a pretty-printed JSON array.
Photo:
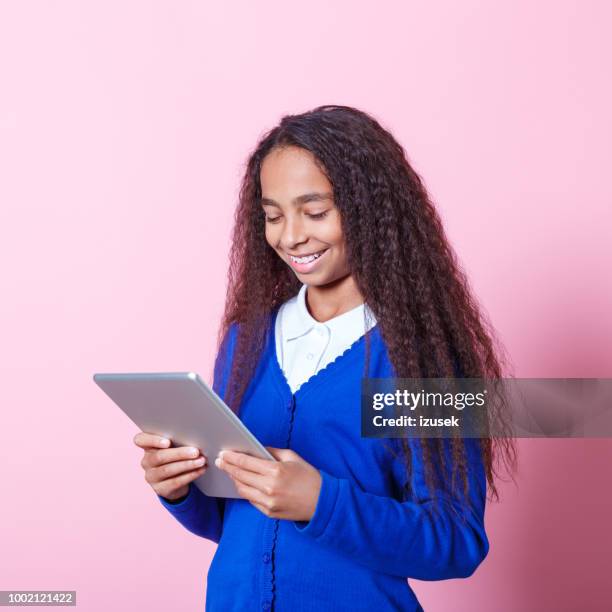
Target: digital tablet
[{"x": 180, "y": 406}]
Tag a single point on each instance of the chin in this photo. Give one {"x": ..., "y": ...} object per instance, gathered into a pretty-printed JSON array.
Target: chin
[{"x": 317, "y": 280}]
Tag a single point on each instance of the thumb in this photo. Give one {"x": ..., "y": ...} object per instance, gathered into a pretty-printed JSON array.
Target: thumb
[{"x": 283, "y": 454}]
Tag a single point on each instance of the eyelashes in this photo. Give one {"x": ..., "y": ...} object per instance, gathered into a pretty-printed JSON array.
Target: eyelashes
[{"x": 315, "y": 217}]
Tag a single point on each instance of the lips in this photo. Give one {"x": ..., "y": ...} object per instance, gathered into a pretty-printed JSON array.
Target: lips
[
  {"x": 307, "y": 258},
  {"x": 306, "y": 263}
]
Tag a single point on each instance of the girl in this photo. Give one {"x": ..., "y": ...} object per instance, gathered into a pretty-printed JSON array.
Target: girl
[{"x": 339, "y": 270}]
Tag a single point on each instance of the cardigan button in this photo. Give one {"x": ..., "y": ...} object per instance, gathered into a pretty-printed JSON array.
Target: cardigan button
[
  {"x": 266, "y": 558},
  {"x": 266, "y": 605}
]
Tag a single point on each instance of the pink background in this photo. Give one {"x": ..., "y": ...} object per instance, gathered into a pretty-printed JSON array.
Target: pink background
[{"x": 123, "y": 130}]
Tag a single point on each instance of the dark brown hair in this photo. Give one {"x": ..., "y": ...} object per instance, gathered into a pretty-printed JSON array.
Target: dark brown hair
[{"x": 399, "y": 257}]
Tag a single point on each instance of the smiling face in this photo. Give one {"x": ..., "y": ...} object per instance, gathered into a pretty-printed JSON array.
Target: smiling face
[{"x": 302, "y": 221}]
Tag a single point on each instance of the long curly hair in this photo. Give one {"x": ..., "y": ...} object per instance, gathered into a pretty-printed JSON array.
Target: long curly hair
[{"x": 400, "y": 259}]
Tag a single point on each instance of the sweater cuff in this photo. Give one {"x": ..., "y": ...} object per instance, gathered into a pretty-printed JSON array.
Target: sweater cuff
[
  {"x": 324, "y": 510},
  {"x": 182, "y": 506}
]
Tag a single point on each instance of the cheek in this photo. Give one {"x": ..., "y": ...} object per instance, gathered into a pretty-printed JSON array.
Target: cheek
[
  {"x": 270, "y": 235},
  {"x": 331, "y": 232},
  {"x": 335, "y": 237}
]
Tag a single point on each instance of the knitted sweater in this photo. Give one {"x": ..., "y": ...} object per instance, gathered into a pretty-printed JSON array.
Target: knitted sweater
[{"x": 364, "y": 540}]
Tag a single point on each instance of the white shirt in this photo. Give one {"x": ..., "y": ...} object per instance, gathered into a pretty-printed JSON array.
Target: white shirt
[{"x": 304, "y": 345}]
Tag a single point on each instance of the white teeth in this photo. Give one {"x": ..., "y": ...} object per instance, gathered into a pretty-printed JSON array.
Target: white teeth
[{"x": 308, "y": 259}]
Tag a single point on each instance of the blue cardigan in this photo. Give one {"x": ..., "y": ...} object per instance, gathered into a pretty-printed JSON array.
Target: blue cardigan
[{"x": 364, "y": 540}]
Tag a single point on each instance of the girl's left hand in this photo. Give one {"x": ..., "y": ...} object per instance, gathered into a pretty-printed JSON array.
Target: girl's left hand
[{"x": 287, "y": 488}]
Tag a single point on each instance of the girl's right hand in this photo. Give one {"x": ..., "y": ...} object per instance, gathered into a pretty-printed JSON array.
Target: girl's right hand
[{"x": 169, "y": 470}]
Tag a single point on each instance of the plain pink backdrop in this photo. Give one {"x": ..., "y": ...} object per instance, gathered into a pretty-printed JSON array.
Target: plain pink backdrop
[{"x": 124, "y": 127}]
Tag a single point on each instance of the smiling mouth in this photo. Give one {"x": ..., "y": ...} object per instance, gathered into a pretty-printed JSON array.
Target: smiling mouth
[{"x": 307, "y": 258}]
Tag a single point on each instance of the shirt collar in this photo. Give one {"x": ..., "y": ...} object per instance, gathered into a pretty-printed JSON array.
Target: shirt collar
[{"x": 297, "y": 321}]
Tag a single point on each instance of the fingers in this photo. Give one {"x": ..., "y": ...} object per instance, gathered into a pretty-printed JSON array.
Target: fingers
[
  {"x": 157, "y": 457},
  {"x": 253, "y": 495},
  {"x": 248, "y": 463},
  {"x": 283, "y": 454},
  {"x": 158, "y": 452},
  {"x": 149, "y": 440},
  {"x": 251, "y": 479},
  {"x": 167, "y": 487},
  {"x": 170, "y": 470}
]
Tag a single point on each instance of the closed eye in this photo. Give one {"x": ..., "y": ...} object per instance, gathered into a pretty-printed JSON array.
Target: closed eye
[{"x": 314, "y": 216}]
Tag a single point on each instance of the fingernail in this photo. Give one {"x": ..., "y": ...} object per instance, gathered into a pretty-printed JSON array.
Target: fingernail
[
  {"x": 218, "y": 462},
  {"x": 164, "y": 441},
  {"x": 194, "y": 452}
]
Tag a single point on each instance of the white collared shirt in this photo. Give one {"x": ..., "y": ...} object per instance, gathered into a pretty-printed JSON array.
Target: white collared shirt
[{"x": 304, "y": 345}]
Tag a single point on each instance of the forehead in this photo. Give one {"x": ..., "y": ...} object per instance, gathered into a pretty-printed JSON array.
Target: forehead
[{"x": 291, "y": 170}]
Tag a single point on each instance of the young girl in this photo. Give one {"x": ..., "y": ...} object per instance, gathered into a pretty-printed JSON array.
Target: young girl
[{"x": 339, "y": 270}]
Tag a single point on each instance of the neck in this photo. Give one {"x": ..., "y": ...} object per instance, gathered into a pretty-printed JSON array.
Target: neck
[{"x": 328, "y": 301}]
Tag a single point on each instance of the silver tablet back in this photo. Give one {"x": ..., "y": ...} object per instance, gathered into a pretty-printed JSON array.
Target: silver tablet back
[{"x": 183, "y": 408}]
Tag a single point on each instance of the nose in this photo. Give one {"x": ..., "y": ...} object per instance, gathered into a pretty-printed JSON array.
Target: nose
[{"x": 293, "y": 233}]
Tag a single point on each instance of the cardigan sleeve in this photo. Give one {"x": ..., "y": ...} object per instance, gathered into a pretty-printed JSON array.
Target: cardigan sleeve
[
  {"x": 405, "y": 538},
  {"x": 197, "y": 512}
]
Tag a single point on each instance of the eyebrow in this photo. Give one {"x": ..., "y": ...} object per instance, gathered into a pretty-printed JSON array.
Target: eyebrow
[{"x": 301, "y": 199}]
